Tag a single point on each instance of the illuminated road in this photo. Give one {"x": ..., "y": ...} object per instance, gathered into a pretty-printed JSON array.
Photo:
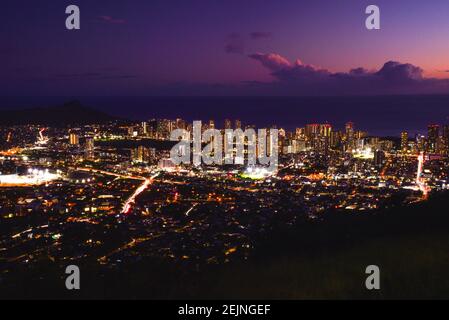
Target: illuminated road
[
  {"x": 131, "y": 200},
  {"x": 108, "y": 173},
  {"x": 190, "y": 210},
  {"x": 419, "y": 181}
]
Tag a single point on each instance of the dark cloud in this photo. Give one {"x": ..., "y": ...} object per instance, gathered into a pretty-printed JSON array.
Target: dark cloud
[
  {"x": 235, "y": 44},
  {"x": 393, "y": 77},
  {"x": 234, "y": 48},
  {"x": 94, "y": 76},
  {"x": 260, "y": 35},
  {"x": 396, "y": 71},
  {"x": 122, "y": 76},
  {"x": 79, "y": 75},
  {"x": 112, "y": 20}
]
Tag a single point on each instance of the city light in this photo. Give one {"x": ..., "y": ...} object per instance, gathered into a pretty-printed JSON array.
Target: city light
[
  {"x": 365, "y": 153},
  {"x": 256, "y": 173},
  {"x": 34, "y": 177}
]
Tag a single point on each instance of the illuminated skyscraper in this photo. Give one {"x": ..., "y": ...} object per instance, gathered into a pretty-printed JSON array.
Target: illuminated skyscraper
[
  {"x": 164, "y": 128},
  {"x": 326, "y": 130},
  {"x": 90, "y": 148},
  {"x": 238, "y": 124},
  {"x": 349, "y": 134},
  {"x": 282, "y": 133},
  {"x": 420, "y": 142},
  {"x": 404, "y": 141},
  {"x": 379, "y": 158},
  {"x": 152, "y": 128},
  {"x": 446, "y": 139},
  {"x": 312, "y": 130},
  {"x": 299, "y": 133},
  {"x": 74, "y": 139},
  {"x": 141, "y": 154},
  {"x": 433, "y": 132},
  {"x": 360, "y": 134},
  {"x": 130, "y": 131}
]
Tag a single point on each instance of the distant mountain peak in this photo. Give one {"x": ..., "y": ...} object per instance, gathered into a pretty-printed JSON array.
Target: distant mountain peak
[
  {"x": 73, "y": 104},
  {"x": 70, "y": 113}
]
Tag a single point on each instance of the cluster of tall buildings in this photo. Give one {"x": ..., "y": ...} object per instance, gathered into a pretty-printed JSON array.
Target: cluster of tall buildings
[
  {"x": 143, "y": 154},
  {"x": 161, "y": 128},
  {"x": 322, "y": 138},
  {"x": 317, "y": 137},
  {"x": 436, "y": 141},
  {"x": 89, "y": 145}
]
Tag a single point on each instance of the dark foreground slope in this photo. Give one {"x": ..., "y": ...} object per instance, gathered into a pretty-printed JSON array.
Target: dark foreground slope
[{"x": 320, "y": 260}]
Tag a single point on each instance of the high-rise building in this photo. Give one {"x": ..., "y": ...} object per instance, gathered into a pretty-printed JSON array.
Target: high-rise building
[
  {"x": 74, "y": 139},
  {"x": 441, "y": 146},
  {"x": 282, "y": 132},
  {"x": 404, "y": 141},
  {"x": 420, "y": 142},
  {"x": 152, "y": 128},
  {"x": 90, "y": 148},
  {"x": 312, "y": 130},
  {"x": 433, "y": 133},
  {"x": 144, "y": 128},
  {"x": 360, "y": 134},
  {"x": 142, "y": 154},
  {"x": 164, "y": 128},
  {"x": 379, "y": 158},
  {"x": 227, "y": 124},
  {"x": 446, "y": 139},
  {"x": 335, "y": 138},
  {"x": 349, "y": 134},
  {"x": 386, "y": 145},
  {"x": 300, "y": 133},
  {"x": 326, "y": 130},
  {"x": 130, "y": 131},
  {"x": 238, "y": 124}
]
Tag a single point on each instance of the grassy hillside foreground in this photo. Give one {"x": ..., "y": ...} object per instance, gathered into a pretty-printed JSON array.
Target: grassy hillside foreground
[{"x": 320, "y": 260}]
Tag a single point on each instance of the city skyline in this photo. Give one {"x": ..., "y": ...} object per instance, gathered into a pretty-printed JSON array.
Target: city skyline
[{"x": 379, "y": 115}]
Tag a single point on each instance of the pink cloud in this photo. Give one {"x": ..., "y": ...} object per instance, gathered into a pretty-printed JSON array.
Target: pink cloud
[
  {"x": 392, "y": 78},
  {"x": 272, "y": 61}
]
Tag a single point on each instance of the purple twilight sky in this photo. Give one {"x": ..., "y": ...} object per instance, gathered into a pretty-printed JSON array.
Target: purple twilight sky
[{"x": 233, "y": 47}]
